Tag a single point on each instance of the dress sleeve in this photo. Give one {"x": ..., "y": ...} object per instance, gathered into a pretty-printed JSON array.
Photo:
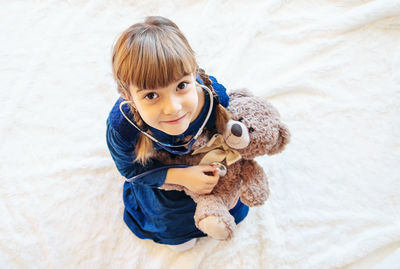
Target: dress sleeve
[{"x": 123, "y": 154}]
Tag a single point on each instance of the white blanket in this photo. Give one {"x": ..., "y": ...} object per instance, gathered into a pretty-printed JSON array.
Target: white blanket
[{"x": 332, "y": 68}]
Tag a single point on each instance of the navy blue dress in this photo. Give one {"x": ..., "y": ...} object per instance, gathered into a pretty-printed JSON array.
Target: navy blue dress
[{"x": 166, "y": 217}]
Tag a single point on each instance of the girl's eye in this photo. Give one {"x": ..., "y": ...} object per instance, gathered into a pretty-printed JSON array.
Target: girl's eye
[
  {"x": 151, "y": 96},
  {"x": 241, "y": 119},
  {"x": 182, "y": 85}
]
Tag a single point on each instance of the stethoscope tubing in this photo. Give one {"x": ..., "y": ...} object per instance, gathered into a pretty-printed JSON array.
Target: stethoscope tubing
[
  {"x": 132, "y": 179},
  {"x": 167, "y": 146}
]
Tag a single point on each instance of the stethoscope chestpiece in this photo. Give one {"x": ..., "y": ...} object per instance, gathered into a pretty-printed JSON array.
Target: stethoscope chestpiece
[{"x": 221, "y": 169}]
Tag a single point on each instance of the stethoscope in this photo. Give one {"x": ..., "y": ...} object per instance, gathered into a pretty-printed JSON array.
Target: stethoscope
[{"x": 170, "y": 148}]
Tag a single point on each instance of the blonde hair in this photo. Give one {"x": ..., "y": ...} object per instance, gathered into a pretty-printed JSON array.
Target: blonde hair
[{"x": 151, "y": 55}]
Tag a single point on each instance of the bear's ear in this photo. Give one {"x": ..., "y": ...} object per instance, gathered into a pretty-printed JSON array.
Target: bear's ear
[
  {"x": 240, "y": 93},
  {"x": 283, "y": 139}
]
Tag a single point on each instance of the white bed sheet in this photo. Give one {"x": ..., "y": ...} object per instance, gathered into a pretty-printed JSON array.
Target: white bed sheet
[{"x": 330, "y": 67}]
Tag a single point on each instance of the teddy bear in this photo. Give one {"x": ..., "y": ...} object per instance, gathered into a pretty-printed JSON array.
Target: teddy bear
[{"x": 255, "y": 129}]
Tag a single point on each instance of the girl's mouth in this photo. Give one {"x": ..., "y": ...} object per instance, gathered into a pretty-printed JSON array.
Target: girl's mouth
[{"x": 176, "y": 121}]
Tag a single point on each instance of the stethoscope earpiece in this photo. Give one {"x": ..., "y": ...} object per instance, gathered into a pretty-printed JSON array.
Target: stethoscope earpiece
[{"x": 168, "y": 147}]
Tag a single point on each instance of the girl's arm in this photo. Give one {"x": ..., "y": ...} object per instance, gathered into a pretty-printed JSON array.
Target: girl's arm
[
  {"x": 199, "y": 179},
  {"x": 122, "y": 152}
]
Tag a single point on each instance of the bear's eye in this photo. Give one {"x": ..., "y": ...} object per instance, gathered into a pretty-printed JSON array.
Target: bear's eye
[
  {"x": 251, "y": 129},
  {"x": 241, "y": 119}
]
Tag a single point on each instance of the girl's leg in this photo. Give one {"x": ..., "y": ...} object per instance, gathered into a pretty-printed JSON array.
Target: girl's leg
[{"x": 185, "y": 246}]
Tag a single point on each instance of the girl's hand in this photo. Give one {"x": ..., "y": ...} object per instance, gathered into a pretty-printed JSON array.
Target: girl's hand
[{"x": 200, "y": 179}]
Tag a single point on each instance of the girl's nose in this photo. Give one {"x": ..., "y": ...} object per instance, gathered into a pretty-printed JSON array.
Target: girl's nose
[{"x": 172, "y": 105}]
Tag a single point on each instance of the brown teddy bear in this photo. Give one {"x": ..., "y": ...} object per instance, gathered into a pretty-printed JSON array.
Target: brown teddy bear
[{"x": 254, "y": 130}]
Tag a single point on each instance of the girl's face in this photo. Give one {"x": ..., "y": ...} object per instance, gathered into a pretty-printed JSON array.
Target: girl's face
[{"x": 170, "y": 109}]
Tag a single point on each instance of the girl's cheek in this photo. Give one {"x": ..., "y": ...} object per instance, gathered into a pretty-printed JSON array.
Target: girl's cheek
[
  {"x": 194, "y": 99},
  {"x": 147, "y": 113},
  {"x": 192, "y": 103}
]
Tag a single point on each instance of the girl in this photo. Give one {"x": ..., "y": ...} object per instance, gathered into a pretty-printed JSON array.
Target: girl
[{"x": 166, "y": 100}]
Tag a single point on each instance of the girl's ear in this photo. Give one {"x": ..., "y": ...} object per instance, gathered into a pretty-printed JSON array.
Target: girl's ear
[{"x": 125, "y": 96}]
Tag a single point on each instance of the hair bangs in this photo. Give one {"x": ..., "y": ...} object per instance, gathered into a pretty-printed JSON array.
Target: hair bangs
[{"x": 161, "y": 59}]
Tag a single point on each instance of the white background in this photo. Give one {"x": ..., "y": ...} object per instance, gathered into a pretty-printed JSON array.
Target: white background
[{"x": 332, "y": 68}]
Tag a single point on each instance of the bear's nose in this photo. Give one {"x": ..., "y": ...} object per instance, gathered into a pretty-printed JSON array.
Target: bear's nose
[{"x": 236, "y": 130}]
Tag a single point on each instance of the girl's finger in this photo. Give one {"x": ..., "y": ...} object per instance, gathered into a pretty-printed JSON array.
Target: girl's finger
[
  {"x": 213, "y": 179},
  {"x": 208, "y": 168},
  {"x": 209, "y": 190}
]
